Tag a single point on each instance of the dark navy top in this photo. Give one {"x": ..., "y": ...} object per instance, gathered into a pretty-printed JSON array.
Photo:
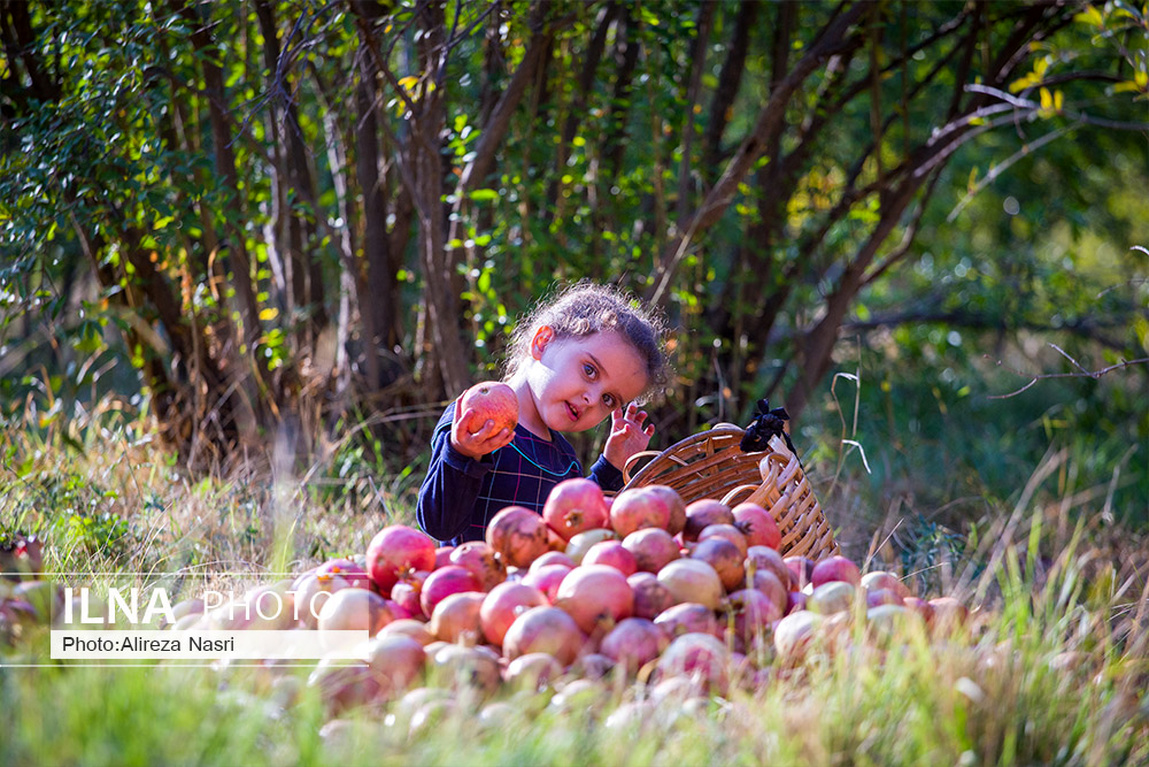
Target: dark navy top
[{"x": 460, "y": 495}]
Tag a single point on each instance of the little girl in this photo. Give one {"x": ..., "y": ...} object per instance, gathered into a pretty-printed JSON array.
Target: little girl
[{"x": 588, "y": 354}]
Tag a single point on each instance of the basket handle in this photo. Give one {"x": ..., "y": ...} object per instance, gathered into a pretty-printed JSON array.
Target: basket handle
[
  {"x": 628, "y": 468},
  {"x": 748, "y": 490}
]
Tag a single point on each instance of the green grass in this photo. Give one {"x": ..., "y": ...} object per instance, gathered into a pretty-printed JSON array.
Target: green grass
[
  {"x": 144, "y": 716},
  {"x": 1053, "y": 668},
  {"x": 1045, "y": 677}
]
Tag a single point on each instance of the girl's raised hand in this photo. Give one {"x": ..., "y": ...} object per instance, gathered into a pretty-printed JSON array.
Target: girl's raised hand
[
  {"x": 627, "y": 435},
  {"x": 474, "y": 438}
]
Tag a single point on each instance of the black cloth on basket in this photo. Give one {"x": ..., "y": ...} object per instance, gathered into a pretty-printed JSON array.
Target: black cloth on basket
[{"x": 766, "y": 424}]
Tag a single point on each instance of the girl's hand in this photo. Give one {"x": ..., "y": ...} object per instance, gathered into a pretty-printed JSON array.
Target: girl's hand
[
  {"x": 627, "y": 435},
  {"x": 474, "y": 438}
]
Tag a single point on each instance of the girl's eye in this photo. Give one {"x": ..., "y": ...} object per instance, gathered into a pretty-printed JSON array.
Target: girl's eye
[
  {"x": 608, "y": 400},
  {"x": 589, "y": 370}
]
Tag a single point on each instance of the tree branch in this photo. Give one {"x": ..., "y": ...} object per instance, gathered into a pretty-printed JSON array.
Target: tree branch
[
  {"x": 834, "y": 38},
  {"x": 1083, "y": 373}
]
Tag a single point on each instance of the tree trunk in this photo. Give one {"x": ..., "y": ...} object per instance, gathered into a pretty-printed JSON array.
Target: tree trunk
[
  {"x": 697, "y": 64},
  {"x": 627, "y": 47},
  {"x": 818, "y": 346},
  {"x": 425, "y": 145},
  {"x": 729, "y": 83},
  {"x": 494, "y": 132},
  {"x": 279, "y": 243},
  {"x": 833, "y": 39},
  {"x": 19, "y": 41},
  {"x": 756, "y": 285},
  {"x": 225, "y": 167},
  {"x": 306, "y": 275},
  {"x": 577, "y": 109},
  {"x": 376, "y": 308}
]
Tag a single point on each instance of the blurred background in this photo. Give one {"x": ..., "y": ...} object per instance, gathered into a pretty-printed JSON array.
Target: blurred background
[{"x": 257, "y": 238}]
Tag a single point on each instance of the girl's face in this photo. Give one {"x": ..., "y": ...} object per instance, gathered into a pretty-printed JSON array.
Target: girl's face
[{"x": 572, "y": 384}]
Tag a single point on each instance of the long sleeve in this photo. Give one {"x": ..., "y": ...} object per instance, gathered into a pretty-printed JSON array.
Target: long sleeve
[
  {"x": 605, "y": 475},
  {"x": 453, "y": 483}
]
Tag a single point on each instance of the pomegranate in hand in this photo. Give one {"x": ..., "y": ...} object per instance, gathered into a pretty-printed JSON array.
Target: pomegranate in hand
[{"x": 492, "y": 401}]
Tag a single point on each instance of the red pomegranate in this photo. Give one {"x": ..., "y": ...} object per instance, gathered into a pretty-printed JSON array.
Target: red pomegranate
[
  {"x": 687, "y": 618},
  {"x": 408, "y": 590},
  {"x": 492, "y": 401},
  {"x": 801, "y": 568},
  {"x": 343, "y": 685},
  {"x": 311, "y": 592},
  {"x": 753, "y": 613},
  {"x": 725, "y": 558},
  {"x": 596, "y": 596},
  {"x": 882, "y": 579},
  {"x": 443, "y": 556},
  {"x": 835, "y": 568},
  {"x": 702, "y": 657},
  {"x": 356, "y": 610},
  {"x": 652, "y": 548},
  {"x": 650, "y": 596},
  {"x": 544, "y": 629},
  {"x": 875, "y": 597},
  {"x": 532, "y": 672},
  {"x": 396, "y": 549},
  {"x": 547, "y": 579},
  {"x": 518, "y": 535},
  {"x": 639, "y": 508},
  {"x": 456, "y": 617},
  {"x": 396, "y": 661},
  {"x": 443, "y": 582},
  {"x": 574, "y": 506},
  {"x": 633, "y": 643},
  {"x": 580, "y": 544},
  {"x": 613, "y": 554},
  {"x": 480, "y": 559},
  {"x": 674, "y": 503},
  {"x": 692, "y": 580},
  {"x": 729, "y": 532},
  {"x": 409, "y": 627},
  {"x": 552, "y": 558},
  {"x": 795, "y": 602},
  {"x": 351, "y": 572},
  {"x": 757, "y": 525},
  {"x": 765, "y": 558},
  {"x": 503, "y": 604},
  {"x": 702, "y": 513},
  {"x": 768, "y": 583}
]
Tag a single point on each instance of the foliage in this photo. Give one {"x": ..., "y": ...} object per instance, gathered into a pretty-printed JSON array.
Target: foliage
[{"x": 251, "y": 202}]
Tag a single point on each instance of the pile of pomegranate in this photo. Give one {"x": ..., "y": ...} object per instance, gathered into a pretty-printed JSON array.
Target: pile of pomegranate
[{"x": 642, "y": 587}]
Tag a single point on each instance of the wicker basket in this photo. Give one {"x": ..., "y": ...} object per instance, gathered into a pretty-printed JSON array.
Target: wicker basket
[{"x": 710, "y": 464}]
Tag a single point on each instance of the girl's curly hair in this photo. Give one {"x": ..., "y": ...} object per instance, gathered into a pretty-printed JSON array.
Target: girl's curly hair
[{"x": 585, "y": 308}]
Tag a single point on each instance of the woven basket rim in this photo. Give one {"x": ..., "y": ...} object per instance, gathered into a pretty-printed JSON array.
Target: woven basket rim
[
  {"x": 689, "y": 442},
  {"x": 794, "y": 504}
]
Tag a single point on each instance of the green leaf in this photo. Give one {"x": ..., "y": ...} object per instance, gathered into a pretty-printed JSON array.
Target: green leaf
[{"x": 1091, "y": 15}]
